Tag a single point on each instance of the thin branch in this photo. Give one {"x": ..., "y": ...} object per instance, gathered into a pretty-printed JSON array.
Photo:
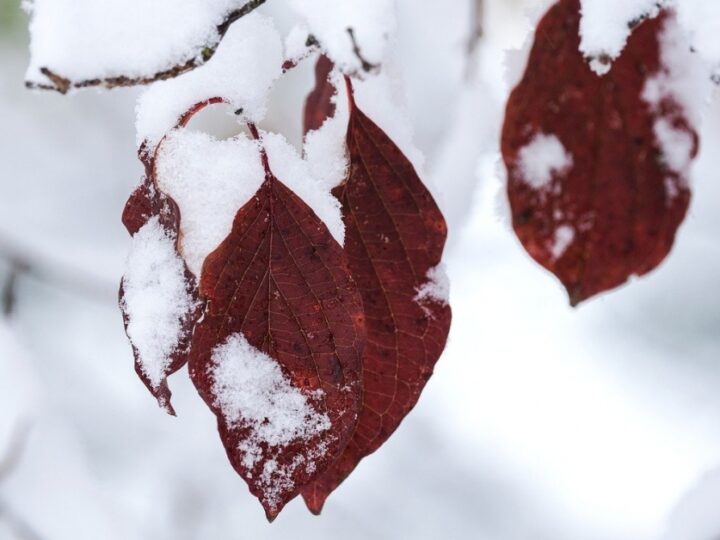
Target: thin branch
[
  {"x": 477, "y": 31},
  {"x": 15, "y": 449},
  {"x": 366, "y": 66},
  {"x": 24, "y": 262},
  {"x": 62, "y": 84}
]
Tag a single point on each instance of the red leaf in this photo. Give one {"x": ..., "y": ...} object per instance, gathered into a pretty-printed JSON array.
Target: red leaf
[
  {"x": 319, "y": 105},
  {"x": 281, "y": 282},
  {"x": 611, "y": 206},
  {"x": 145, "y": 203},
  {"x": 395, "y": 235}
]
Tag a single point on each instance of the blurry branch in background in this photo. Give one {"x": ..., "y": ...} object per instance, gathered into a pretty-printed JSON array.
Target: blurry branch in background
[
  {"x": 62, "y": 84},
  {"x": 15, "y": 447},
  {"x": 8, "y": 462},
  {"x": 23, "y": 262},
  {"x": 477, "y": 13}
]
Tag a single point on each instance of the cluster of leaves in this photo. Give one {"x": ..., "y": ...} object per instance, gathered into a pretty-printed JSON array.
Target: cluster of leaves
[
  {"x": 345, "y": 321},
  {"x": 350, "y": 326}
]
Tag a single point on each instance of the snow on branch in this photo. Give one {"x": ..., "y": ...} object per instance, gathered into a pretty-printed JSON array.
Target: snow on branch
[{"x": 145, "y": 64}]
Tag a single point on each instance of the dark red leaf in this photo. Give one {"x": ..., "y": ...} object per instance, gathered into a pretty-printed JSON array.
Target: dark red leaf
[
  {"x": 319, "y": 105},
  {"x": 613, "y": 211},
  {"x": 282, "y": 282},
  {"x": 146, "y": 202},
  {"x": 394, "y": 237}
]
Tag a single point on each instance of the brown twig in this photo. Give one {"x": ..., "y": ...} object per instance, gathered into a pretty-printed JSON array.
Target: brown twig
[
  {"x": 63, "y": 85},
  {"x": 24, "y": 262},
  {"x": 477, "y": 31},
  {"x": 366, "y": 66}
]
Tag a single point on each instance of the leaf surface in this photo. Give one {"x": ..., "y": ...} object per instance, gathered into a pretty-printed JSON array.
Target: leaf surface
[
  {"x": 394, "y": 239},
  {"x": 146, "y": 203},
  {"x": 596, "y": 193},
  {"x": 281, "y": 283}
]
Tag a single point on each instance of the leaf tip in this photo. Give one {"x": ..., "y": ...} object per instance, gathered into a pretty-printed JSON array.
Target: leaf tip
[{"x": 314, "y": 502}]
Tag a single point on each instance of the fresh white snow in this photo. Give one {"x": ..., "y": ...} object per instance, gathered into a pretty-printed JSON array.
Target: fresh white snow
[
  {"x": 563, "y": 237},
  {"x": 156, "y": 298},
  {"x": 87, "y": 39},
  {"x": 543, "y": 157},
  {"x": 210, "y": 180},
  {"x": 243, "y": 69},
  {"x": 436, "y": 288},
  {"x": 372, "y": 21},
  {"x": 252, "y": 392}
]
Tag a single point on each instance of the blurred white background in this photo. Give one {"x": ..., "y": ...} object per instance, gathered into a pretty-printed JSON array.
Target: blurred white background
[{"x": 541, "y": 421}]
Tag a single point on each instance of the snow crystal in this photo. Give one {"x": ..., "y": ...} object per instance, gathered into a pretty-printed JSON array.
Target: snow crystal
[
  {"x": 293, "y": 171},
  {"x": 544, "y": 156},
  {"x": 156, "y": 298},
  {"x": 372, "y": 22},
  {"x": 243, "y": 69},
  {"x": 252, "y": 391},
  {"x": 436, "y": 288},
  {"x": 87, "y": 39},
  {"x": 605, "y": 26},
  {"x": 210, "y": 180},
  {"x": 563, "y": 237}
]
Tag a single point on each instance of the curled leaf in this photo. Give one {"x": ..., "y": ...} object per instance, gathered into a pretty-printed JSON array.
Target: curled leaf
[
  {"x": 597, "y": 166},
  {"x": 157, "y": 295}
]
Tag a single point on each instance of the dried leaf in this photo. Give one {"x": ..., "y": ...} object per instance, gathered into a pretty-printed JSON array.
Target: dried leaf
[
  {"x": 319, "y": 104},
  {"x": 281, "y": 282},
  {"x": 395, "y": 236},
  {"x": 595, "y": 195}
]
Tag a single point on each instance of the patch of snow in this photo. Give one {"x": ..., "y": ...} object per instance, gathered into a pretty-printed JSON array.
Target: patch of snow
[
  {"x": 295, "y": 42},
  {"x": 293, "y": 171},
  {"x": 210, "y": 180},
  {"x": 88, "y": 39},
  {"x": 247, "y": 62},
  {"x": 682, "y": 80},
  {"x": 253, "y": 392},
  {"x": 436, "y": 288},
  {"x": 541, "y": 158},
  {"x": 683, "y": 76},
  {"x": 677, "y": 145},
  {"x": 563, "y": 237},
  {"x": 156, "y": 298},
  {"x": 605, "y": 26}
]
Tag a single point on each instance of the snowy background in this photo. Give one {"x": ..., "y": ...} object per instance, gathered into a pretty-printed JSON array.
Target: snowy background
[{"x": 541, "y": 421}]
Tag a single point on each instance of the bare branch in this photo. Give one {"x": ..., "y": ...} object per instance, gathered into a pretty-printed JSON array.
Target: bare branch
[
  {"x": 366, "y": 66},
  {"x": 63, "y": 85},
  {"x": 15, "y": 449},
  {"x": 477, "y": 31},
  {"x": 25, "y": 262}
]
